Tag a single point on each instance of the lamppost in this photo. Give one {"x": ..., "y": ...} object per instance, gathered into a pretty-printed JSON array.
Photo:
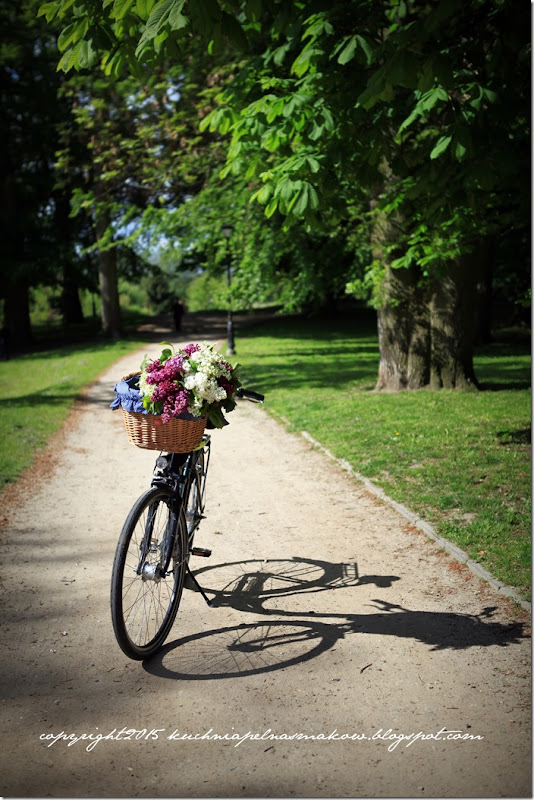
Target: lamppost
[{"x": 227, "y": 232}]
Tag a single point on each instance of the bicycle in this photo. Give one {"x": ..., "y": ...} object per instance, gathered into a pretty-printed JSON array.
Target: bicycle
[{"x": 151, "y": 564}]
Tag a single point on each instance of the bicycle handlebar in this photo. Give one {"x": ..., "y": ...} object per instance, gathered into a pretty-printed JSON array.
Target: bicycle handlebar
[{"x": 248, "y": 394}]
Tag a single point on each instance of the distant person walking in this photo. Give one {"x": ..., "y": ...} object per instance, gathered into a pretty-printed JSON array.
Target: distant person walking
[{"x": 178, "y": 311}]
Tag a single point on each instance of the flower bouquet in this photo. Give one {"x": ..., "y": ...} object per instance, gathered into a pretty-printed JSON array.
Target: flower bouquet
[{"x": 167, "y": 404}]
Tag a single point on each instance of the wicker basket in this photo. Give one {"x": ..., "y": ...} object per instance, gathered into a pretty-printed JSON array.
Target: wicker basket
[{"x": 150, "y": 433}]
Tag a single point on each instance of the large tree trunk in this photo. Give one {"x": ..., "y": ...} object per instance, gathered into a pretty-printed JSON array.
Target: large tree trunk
[
  {"x": 403, "y": 333},
  {"x": 108, "y": 281},
  {"x": 425, "y": 331},
  {"x": 14, "y": 289},
  {"x": 452, "y": 326},
  {"x": 403, "y": 324},
  {"x": 18, "y": 330},
  {"x": 428, "y": 340},
  {"x": 483, "y": 333}
]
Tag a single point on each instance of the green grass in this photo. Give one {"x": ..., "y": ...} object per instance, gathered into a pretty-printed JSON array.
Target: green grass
[
  {"x": 37, "y": 391},
  {"x": 460, "y": 460}
]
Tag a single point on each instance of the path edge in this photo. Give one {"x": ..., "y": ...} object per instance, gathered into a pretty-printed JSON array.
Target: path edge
[{"x": 452, "y": 549}]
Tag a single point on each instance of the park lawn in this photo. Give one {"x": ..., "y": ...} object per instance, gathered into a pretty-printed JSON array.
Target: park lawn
[
  {"x": 461, "y": 460},
  {"x": 37, "y": 391}
]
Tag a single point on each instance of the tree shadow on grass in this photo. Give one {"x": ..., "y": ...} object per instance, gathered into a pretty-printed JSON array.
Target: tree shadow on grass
[
  {"x": 39, "y": 399},
  {"x": 522, "y": 436}
]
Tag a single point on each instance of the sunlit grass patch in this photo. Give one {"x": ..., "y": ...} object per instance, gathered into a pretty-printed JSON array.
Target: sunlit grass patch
[
  {"x": 460, "y": 460},
  {"x": 37, "y": 391}
]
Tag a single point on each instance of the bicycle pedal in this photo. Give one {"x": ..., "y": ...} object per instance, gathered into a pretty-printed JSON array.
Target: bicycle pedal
[{"x": 200, "y": 551}]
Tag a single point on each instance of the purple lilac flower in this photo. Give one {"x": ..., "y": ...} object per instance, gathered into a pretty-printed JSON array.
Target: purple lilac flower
[
  {"x": 173, "y": 368},
  {"x": 163, "y": 390},
  {"x": 174, "y": 406},
  {"x": 189, "y": 349}
]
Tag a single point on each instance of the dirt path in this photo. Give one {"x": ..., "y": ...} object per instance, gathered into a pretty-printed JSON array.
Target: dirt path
[{"x": 333, "y": 620}]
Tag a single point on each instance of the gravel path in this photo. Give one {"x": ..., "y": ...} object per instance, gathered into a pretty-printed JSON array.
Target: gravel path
[{"x": 338, "y": 629}]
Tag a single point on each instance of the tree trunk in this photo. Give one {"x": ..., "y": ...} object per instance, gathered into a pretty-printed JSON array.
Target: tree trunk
[
  {"x": 425, "y": 332},
  {"x": 108, "y": 281},
  {"x": 485, "y": 293},
  {"x": 403, "y": 333},
  {"x": 452, "y": 326},
  {"x": 70, "y": 299},
  {"x": 71, "y": 308},
  {"x": 403, "y": 324},
  {"x": 14, "y": 288},
  {"x": 17, "y": 325}
]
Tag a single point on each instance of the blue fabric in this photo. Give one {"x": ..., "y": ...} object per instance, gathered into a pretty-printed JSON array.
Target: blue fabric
[{"x": 128, "y": 396}]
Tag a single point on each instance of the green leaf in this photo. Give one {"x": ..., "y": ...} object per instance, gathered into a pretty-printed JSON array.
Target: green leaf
[
  {"x": 425, "y": 104},
  {"x": 160, "y": 17},
  {"x": 121, "y": 8},
  {"x": 301, "y": 204},
  {"x": 366, "y": 47},
  {"x": 280, "y": 53},
  {"x": 459, "y": 151},
  {"x": 328, "y": 119},
  {"x": 348, "y": 51},
  {"x": 490, "y": 95},
  {"x": 81, "y": 56},
  {"x": 216, "y": 417},
  {"x": 303, "y": 61},
  {"x": 263, "y": 194},
  {"x": 225, "y": 124},
  {"x": 72, "y": 33},
  {"x": 271, "y": 207},
  {"x": 313, "y": 198},
  {"x": 87, "y": 56},
  {"x": 287, "y": 188},
  {"x": 316, "y": 131},
  {"x": 49, "y": 10},
  {"x": 271, "y": 140},
  {"x": 319, "y": 25},
  {"x": 276, "y": 109},
  {"x": 440, "y": 146},
  {"x": 177, "y": 20},
  {"x": 144, "y": 8}
]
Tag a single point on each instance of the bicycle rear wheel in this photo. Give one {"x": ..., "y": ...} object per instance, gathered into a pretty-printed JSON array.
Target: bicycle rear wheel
[
  {"x": 148, "y": 573},
  {"x": 194, "y": 494}
]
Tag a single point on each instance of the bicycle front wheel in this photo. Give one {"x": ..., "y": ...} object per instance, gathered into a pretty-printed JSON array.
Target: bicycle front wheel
[{"x": 148, "y": 573}]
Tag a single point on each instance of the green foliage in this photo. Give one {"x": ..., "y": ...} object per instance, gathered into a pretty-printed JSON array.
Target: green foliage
[
  {"x": 418, "y": 109},
  {"x": 206, "y": 293},
  {"x": 292, "y": 101}
]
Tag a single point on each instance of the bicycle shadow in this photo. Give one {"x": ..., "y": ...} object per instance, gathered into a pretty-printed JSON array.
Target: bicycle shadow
[
  {"x": 286, "y": 638},
  {"x": 247, "y": 585}
]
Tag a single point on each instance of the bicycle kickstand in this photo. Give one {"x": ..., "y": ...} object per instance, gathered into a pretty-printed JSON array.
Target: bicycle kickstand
[{"x": 196, "y": 585}]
